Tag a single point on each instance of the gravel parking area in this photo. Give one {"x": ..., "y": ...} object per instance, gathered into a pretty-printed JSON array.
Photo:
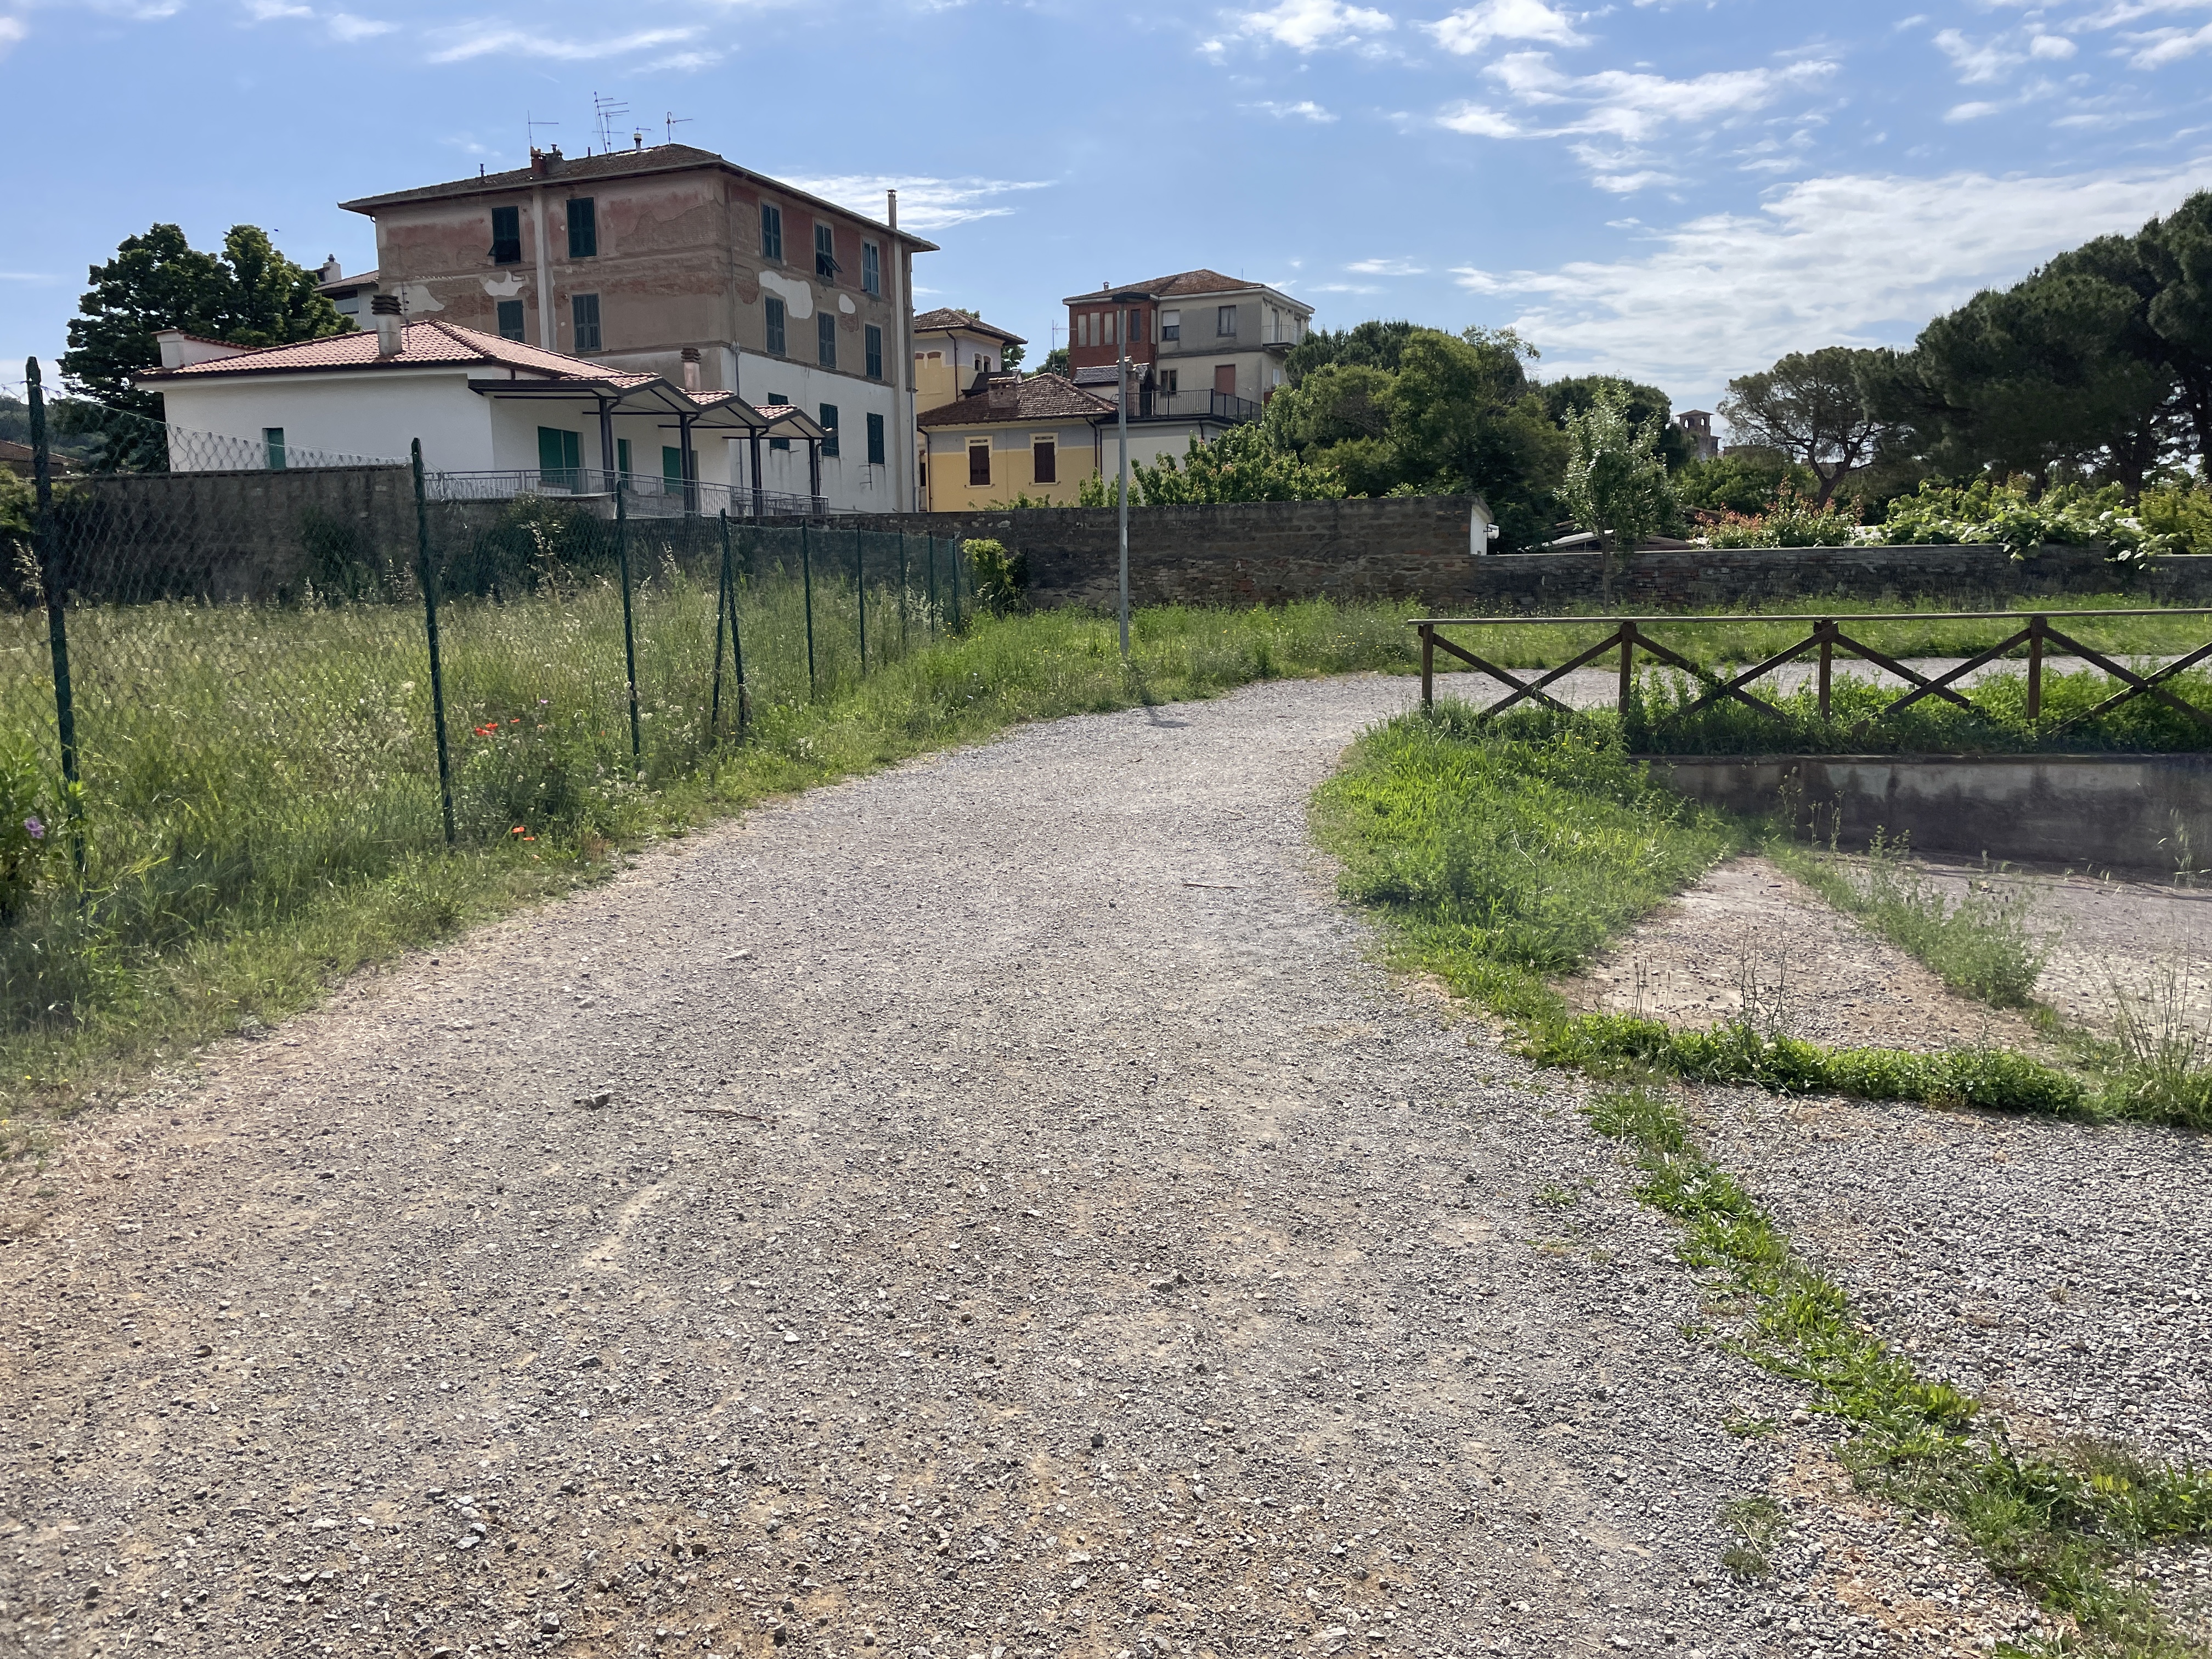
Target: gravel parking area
[{"x": 993, "y": 1208}]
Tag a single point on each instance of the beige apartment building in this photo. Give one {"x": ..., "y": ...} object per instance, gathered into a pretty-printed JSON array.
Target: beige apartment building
[
  {"x": 950, "y": 350},
  {"x": 1037, "y": 438},
  {"x": 1204, "y": 344},
  {"x": 671, "y": 260}
]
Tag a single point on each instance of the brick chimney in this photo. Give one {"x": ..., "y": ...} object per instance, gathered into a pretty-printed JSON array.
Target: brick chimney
[
  {"x": 691, "y": 368},
  {"x": 390, "y": 332},
  {"x": 1007, "y": 392}
]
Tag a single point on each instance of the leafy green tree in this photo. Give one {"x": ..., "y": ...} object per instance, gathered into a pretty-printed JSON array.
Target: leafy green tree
[
  {"x": 1746, "y": 482},
  {"x": 2177, "y": 251},
  {"x": 1616, "y": 484},
  {"x": 1575, "y": 393},
  {"x": 1374, "y": 344},
  {"x": 249, "y": 295},
  {"x": 1055, "y": 362},
  {"x": 1811, "y": 406},
  {"x": 1242, "y": 464}
]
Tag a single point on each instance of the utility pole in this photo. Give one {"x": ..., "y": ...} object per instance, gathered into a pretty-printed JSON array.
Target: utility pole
[{"x": 1124, "y": 302}]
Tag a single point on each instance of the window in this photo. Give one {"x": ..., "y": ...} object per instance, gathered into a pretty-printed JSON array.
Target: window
[
  {"x": 560, "y": 458},
  {"x": 1136, "y": 328},
  {"x": 507, "y": 236},
  {"x": 510, "y": 320},
  {"x": 671, "y": 464},
  {"x": 874, "y": 337},
  {"x": 871, "y": 269},
  {"x": 1044, "y": 461},
  {"x": 1083, "y": 328},
  {"x": 583, "y": 228},
  {"x": 979, "y": 461},
  {"x": 778, "y": 397},
  {"x": 776, "y": 331},
  {"x": 825, "y": 253},
  {"x": 621, "y": 454},
  {"x": 875, "y": 441},
  {"x": 585, "y": 308},
  {"x": 1108, "y": 319},
  {"x": 771, "y": 233},
  {"x": 1224, "y": 322},
  {"x": 828, "y": 429},
  {"x": 1168, "y": 379},
  {"x": 1170, "y": 326},
  {"x": 826, "y": 338},
  {"x": 272, "y": 442}
]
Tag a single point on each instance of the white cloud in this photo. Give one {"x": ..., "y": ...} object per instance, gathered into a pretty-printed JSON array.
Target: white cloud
[
  {"x": 2163, "y": 46},
  {"x": 924, "y": 203},
  {"x": 2055, "y": 47},
  {"x": 1612, "y": 116},
  {"x": 1305, "y": 108},
  {"x": 1978, "y": 65},
  {"x": 1471, "y": 28},
  {"x": 1310, "y": 25},
  {"x": 12, "y": 31},
  {"x": 1973, "y": 111},
  {"x": 1387, "y": 268},
  {"x": 345, "y": 26},
  {"x": 1859, "y": 260},
  {"x": 483, "y": 39},
  {"x": 1343, "y": 288}
]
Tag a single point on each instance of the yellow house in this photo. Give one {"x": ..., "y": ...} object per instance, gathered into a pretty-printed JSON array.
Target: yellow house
[
  {"x": 950, "y": 348},
  {"x": 1038, "y": 438}
]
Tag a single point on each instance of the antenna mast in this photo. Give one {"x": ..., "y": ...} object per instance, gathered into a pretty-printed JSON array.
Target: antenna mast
[
  {"x": 530, "y": 125},
  {"x": 673, "y": 122},
  {"x": 607, "y": 115}
]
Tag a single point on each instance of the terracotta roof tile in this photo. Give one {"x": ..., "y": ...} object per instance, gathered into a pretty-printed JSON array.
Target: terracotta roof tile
[
  {"x": 1176, "y": 287},
  {"x": 422, "y": 343},
  {"x": 1039, "y": 397}
]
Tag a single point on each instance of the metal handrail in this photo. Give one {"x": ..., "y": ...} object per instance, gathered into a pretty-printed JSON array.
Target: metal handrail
[{"x": 1803, "y": 616}]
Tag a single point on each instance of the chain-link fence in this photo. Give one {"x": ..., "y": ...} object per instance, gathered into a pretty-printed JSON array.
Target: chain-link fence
[{"x": 237, "y": 677}]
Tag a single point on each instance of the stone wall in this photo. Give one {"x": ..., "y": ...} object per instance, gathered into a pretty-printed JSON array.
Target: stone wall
[{"x": 1417, "y": 547}]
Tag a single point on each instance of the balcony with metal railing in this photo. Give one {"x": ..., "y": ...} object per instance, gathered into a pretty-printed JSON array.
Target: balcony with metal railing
[
  {"x": 1194, "y": 406},
  {"x": 645, "y": 495}
]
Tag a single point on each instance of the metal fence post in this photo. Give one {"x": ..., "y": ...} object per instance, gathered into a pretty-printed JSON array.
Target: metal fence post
[
  {"x": 429, "y": 580},
  {"x": 2036, "y": 627},
  {"x": 629, "y": 635},
  {"x": 722, "y": 612},
  {"x": 860, "y": 585},
  {"x": 931, "y": 540},
  {"x": 46, "y": 549},
  {"x": 906, "y": 607},
  {"x": 955, "y": 573},
  {"x": 806, "y": 581}
]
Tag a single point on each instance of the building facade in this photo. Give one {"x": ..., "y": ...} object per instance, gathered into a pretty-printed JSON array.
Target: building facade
[
  {"x": 1037, "y": 438},
  {"x": 950, "y": 348},
  {"x": 674, "y": 262},
  {"x": 1211, "y": 344}
]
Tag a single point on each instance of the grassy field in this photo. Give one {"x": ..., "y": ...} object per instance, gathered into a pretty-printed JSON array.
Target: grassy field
[{"x": 261, "y": 801}]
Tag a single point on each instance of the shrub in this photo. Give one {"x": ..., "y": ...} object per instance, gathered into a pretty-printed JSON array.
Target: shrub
[
  {"x": 2008, "y": 513},
  {"x": 1001, "y": 576},
  {"x": 27, "y": 824}
]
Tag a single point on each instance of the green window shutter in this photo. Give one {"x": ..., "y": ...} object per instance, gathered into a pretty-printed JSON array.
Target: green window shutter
[
  {"x": 621, "y": 454},
  {"x": 572, "y": 451},
  {"x": 672, "y": 463},
  {"x": 828, "y": 429},
  {"x": 550, "y": 448},
  {"x": 272, "y": 439},
  {"x": 510, "y": 320},
  {"x": 583, "y": 228},
  {"x": 875, "y": 441}
]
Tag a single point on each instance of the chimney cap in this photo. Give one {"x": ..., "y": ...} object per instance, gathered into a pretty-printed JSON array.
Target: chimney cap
[
  {"x": 384, "y": 305},
  {"x": 691, "y": 354}
]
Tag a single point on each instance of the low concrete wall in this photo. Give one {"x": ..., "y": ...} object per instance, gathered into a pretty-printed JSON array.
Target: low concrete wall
[{"x": 2143, "y": 812}]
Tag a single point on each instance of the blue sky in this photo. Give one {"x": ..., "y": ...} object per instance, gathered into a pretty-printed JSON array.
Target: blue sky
[{"x": 1676, "y": 192}]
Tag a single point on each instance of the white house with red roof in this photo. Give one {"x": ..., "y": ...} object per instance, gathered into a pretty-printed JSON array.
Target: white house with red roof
[{"x": 513, "y": 417}]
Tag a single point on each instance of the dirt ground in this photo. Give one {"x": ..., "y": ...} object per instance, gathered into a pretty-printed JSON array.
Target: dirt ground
[{"x": 994, "y": 1208}]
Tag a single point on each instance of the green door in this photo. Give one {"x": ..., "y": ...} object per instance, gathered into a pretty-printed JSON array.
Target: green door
[
  {"x": 672, "y": 467},
  {"x": 560, "y": 458}
]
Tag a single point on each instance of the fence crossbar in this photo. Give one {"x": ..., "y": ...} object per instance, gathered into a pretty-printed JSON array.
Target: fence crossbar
[
  {"x": 1734, "y": 687},
  {"x": 1937, "y": 686},
  {"x": 2138, "y": 686},
  {"x": 2118, "y": 698},
  {"x": 1520, "y": 688}
]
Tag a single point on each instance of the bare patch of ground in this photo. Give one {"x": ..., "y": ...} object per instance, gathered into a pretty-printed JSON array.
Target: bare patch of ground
[{"x": 1749, "y": 936}]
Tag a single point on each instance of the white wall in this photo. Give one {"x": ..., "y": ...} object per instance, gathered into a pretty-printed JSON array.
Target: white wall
[
  {"x": 850, "y": 484},
  {"x": 372, "y": 414}
]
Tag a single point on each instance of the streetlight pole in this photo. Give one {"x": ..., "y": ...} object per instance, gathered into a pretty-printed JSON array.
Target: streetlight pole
[{"x": 1123, "y": 303}]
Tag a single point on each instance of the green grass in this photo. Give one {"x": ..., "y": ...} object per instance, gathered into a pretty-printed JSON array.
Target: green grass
[
  {"x": 2062, "y": 1528},
  {"x": 1997, "y": 723},
  {"x": 1501, "y": 852},
  {"x": 1745, "y": 638},
  {"x": 261, "y": 803},
  {"x": 1980, "y": 943},
  {"x": 1506, "y": 852}
]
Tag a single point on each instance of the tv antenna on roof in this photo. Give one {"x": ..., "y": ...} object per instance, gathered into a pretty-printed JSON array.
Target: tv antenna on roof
[
  {"x": 606, "y": 115},
  {"x": 530, "y": 125},
  {"x": 673, "y": 122}
]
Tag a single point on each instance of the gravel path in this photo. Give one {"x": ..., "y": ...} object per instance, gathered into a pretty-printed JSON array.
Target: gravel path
[{"x": 1020, "y": 1221}]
